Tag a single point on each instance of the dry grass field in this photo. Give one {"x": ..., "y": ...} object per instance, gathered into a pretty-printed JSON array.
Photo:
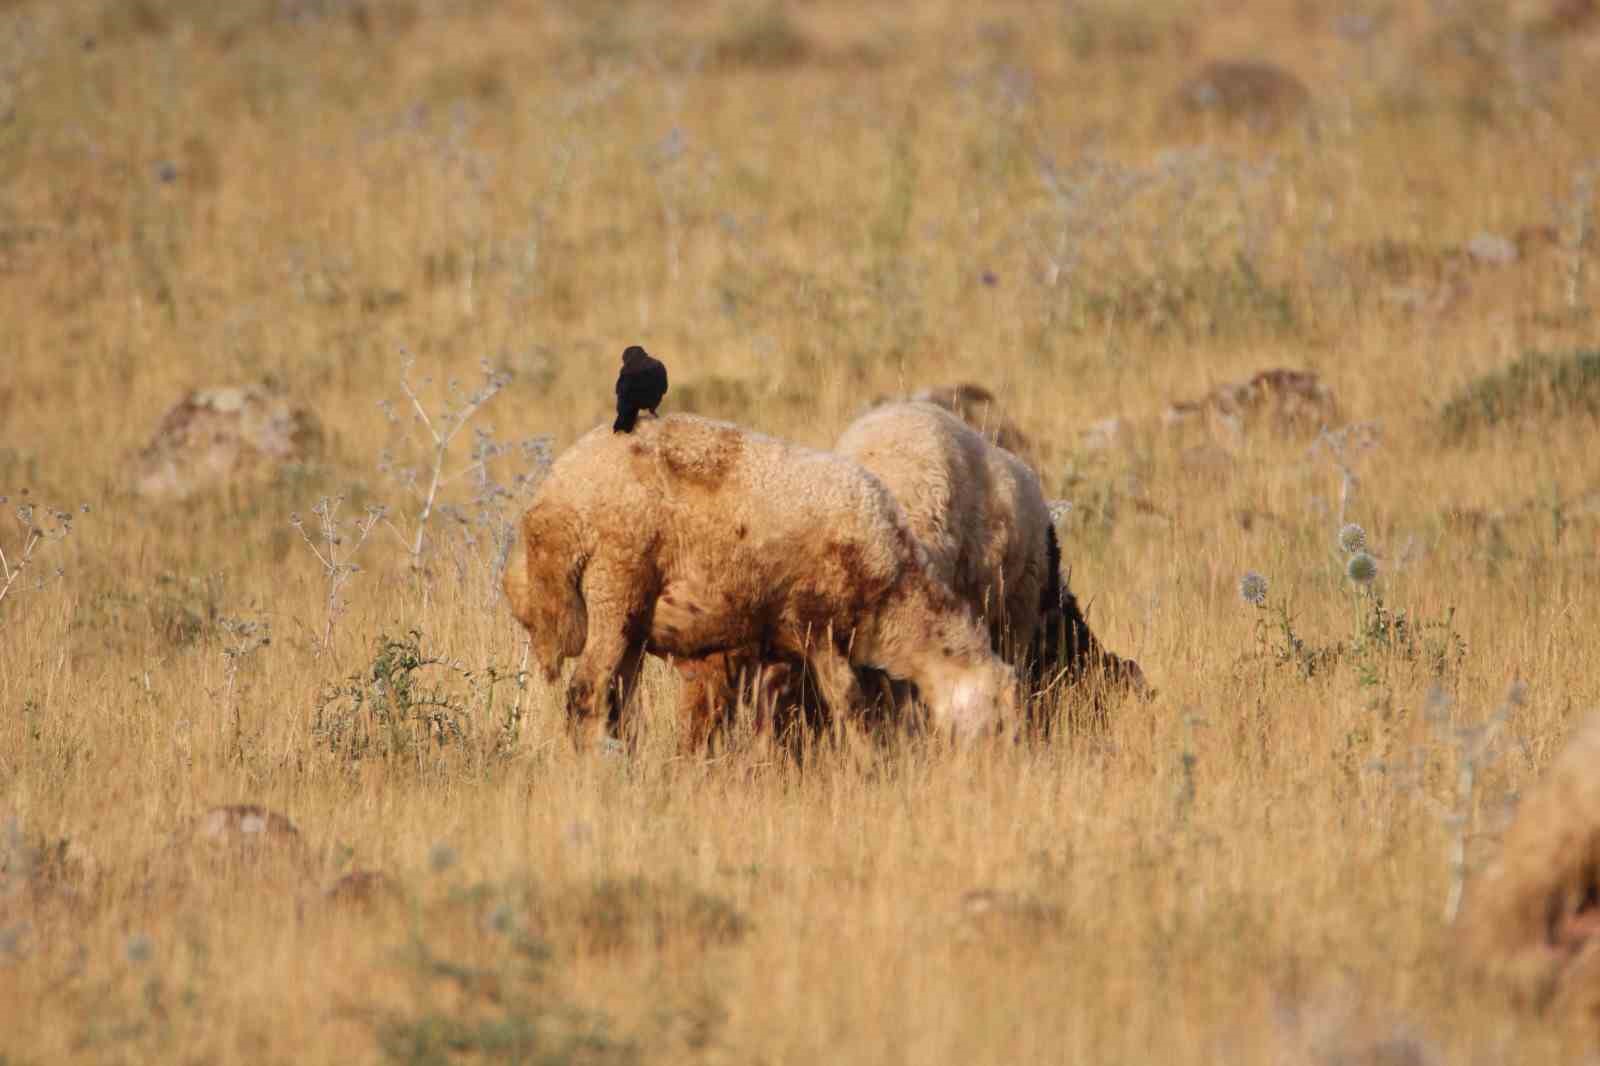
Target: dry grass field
[{"x": 799, "y": 207}]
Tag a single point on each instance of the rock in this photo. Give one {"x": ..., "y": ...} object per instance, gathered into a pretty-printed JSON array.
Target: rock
[
  {"x": 1535, "y": 238},
  {"x": 1206, "y": 462},
  {"x": 220, "y": 436},
  {"x": 1291, "y": 402},
  {"x": 1106, "y": 435},
  {"x": 990, "y": 915},
  {"x": 362, "y": 888},
  {"x": 1258, "y": 95},
  {"x": 248, "y": 832},
  {"x": 1491, "y": 249},
  {"x": 978, "y": 408},
  {"x": 1562, "y": 17}
]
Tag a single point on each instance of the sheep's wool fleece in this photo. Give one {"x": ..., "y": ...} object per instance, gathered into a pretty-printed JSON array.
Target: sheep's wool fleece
[
  {"x": 978, "y": 510},
  {"x": 1531, "y": 918},
  {"x": 716, "y": 504}
]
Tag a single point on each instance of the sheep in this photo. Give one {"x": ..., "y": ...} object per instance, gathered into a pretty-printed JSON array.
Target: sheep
[
  {"x": 980, "y": 515},
  {"x": 1531, "y": 920},
  {"x": 692, "y": 536},
  {"x": 977, "y": 510}
]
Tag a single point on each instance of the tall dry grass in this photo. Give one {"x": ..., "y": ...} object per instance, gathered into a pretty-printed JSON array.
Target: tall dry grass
[{"x": 797, "y": 207}]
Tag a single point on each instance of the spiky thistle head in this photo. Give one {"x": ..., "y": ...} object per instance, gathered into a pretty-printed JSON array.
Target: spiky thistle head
[
  {"x": 1253, "y": 588},
  {"x": 1361, "y": 569},
  {"x": 1352, "y": 538}
]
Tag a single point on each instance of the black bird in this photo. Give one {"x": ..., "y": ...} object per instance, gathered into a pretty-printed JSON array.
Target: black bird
[{"x": 640, "y": 386}]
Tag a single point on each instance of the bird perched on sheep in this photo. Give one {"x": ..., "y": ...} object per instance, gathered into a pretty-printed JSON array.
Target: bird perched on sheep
[
  {"x": 980, "y": 515},
  {"x": 1531, "y": 920},
  {"x": 691, "y": 537},
  {"x": 641, "y": 384}
]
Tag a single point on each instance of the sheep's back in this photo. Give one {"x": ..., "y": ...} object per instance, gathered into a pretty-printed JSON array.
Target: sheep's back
[
  {"x": 725, "y": 495},
  {"x": 938, "y": 469}
]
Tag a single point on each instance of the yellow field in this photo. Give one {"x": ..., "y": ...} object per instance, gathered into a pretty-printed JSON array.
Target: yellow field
[{"x": 798, "y": 207}]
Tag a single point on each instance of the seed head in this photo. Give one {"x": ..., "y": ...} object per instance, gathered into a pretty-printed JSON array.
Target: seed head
[
  {"x": 1362, "y": 568},
  {"x": 1253, "y": 588},
  {"x": 1352, "y": 538}
]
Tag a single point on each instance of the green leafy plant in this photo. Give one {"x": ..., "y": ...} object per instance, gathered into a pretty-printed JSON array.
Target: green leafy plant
[
  {"x": 1539, "y": 383},
  {"x": 407, "y": 701}
]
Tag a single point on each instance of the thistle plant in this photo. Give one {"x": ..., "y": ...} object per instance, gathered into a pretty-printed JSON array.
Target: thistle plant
[
  {"x": 1253, "y": 590},
  {"x": 1184, "y": 793},
  {"x": 340, "y": 543},
  {"x": 1377, "y": 626},
  {"x": 487, "y": 527},
  {"x": 244, "y": 637},
  {"x": 477, "y": 501},
  {"x": 1474, "y": 750},
  {"x": 1361, "y": 569},
  {"x": 1578, "y": 232},
  {"x": 41, "y": 526},
  {"x": 441, "y": 429}
]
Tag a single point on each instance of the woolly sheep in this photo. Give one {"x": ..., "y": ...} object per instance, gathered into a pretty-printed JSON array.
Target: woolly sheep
[
  {"x": 691, "y": 537},
  {"x": 1531, "y": 920},
  {"x": 980, "y": 515},
  {"x": 977, "y": 510}
]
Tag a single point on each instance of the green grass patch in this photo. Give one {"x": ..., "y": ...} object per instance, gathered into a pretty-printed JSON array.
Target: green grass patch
[{"x": 1537, "y": 385}]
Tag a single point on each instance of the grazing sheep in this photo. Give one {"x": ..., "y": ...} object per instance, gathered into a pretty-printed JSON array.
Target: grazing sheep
[
  {"x": 691, "y": 537},
  {"x": 1531, "y": 921},
  {"x": 977, "y": 510},
  {"x": 980, "y": 515}
]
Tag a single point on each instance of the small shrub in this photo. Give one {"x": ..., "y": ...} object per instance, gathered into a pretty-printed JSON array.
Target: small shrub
[
  {"x": 392, "y": 710},
  {"x": 1206, "y": 301},
  {"x": 506, "y": 1009},
  {"x": 1538, "y": 384},
  {"x": 634, "y": 914}
]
